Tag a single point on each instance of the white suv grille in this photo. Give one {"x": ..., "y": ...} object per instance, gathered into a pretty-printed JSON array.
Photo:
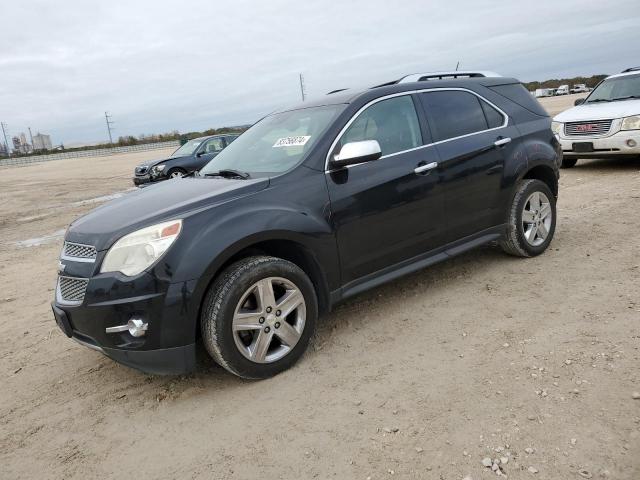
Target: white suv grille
[{"x": 587, "y": 128}]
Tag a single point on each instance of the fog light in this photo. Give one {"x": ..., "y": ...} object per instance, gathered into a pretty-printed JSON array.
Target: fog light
[
  {"x": 631, "y": 143},
  {"x": 137, "y": 327}
]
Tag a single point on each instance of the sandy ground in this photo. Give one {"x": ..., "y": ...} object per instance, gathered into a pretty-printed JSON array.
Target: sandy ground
[{"x": 483, "y": 356}]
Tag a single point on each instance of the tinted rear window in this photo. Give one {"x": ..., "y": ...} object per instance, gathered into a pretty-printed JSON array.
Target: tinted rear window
[
  {"x": 453, "y": 113},
  {"x": 518, "y": 94}
]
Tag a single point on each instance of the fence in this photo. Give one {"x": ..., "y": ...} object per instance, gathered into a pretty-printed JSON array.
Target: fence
[{"x": 19, "y": 161}]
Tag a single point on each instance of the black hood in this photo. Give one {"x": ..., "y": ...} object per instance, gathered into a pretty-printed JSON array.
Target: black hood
[{"x": 175, "y": 198}]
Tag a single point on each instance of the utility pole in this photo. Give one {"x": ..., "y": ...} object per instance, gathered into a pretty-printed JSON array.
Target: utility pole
[
  {"x": 107, "y": 117},
  {"x": 30, "y": 136},
  {"x": 302, "y": 88},
  {"x": 457, "y": 65},
  {"x": 4, "y": 134}
]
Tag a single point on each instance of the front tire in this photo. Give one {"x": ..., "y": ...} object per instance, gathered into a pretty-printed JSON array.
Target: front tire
[
  {"x": 176, "y": 173},
  {"x": 259, "y": 316},
  {"x": 568, "y": 162},
  {"x": 532, "y": 220}
]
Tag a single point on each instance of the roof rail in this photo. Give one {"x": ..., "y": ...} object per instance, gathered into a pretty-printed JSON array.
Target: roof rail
[
  {"x": 632, "y": 69},
  {"x": 420, "y": 77}
]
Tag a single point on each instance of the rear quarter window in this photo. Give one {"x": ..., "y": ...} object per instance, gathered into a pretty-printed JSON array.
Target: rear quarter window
[{"x": 518, "y": 94}]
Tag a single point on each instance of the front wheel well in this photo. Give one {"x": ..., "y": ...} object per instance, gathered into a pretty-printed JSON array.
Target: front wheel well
[
  {"x": 291, "y": 251},
  {"x": 545, "y": 174}
]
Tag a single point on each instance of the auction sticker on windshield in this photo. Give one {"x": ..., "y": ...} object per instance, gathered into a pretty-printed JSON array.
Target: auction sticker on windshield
[{"x": 291, "y": 141}]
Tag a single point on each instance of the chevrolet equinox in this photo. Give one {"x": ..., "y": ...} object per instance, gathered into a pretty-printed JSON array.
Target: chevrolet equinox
[{"x": 310, "y": 206}]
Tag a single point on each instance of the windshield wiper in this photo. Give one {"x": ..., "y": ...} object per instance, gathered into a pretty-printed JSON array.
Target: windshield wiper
[
  {"x": 228, "y": 173},
  {"x": 599, "y": 100},
  {"x": 628, "y": 97}
]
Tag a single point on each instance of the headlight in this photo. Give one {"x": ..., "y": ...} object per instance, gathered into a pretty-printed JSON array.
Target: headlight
[
  {"x": 556, "y": 127},
  {"x": 135, "y": 252},
  {"x": 631, "y": 123}
]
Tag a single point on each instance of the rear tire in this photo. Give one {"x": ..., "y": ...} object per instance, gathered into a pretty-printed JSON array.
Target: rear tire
[
  {"x": 532, "y": 220},
  {"x": 258, "y": 317},
  {"x": 568, "y": 162}
]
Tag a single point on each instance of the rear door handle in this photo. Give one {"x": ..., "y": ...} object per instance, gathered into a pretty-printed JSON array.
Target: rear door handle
[
  {"x": 425, "y": 168},
  {"x": 501, "y": 141}
]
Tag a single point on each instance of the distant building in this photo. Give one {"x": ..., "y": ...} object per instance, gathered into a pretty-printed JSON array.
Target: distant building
[
  {"x": 20, "y": 144},
  {"x": 42, "y": 142},
  {"x": 4, "y": 151}
]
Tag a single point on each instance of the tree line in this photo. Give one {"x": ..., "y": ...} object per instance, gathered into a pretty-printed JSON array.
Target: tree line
[
  {"x": 590, "y": 82},
  {"x": 175, "y": 135}
]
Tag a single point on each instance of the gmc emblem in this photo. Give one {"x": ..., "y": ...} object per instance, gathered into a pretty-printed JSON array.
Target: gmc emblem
[{"x": 587, "y": 127}]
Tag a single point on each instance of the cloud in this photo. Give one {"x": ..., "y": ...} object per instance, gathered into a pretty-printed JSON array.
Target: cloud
[{"x": 160, "y": 65}]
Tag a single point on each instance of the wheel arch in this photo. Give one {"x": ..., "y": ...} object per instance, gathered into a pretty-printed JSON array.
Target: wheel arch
[
  {"x": 290, "y": 249},
  {"x": 545, "y": 174}
]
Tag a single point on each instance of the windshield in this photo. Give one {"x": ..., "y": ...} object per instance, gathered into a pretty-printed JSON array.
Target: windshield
[
  {"x": 616, "y": 88},
  {"x": 188, "y": 148},
  {"x": 276, "y": 143}
]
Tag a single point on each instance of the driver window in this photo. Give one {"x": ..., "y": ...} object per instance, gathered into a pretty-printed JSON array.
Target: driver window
[
  {"x": 392, "y": 122},
  {"x": 213, "y": 146}
]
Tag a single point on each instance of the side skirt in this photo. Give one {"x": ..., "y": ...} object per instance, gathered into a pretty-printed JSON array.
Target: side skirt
[{"x": 417, "y": 263}]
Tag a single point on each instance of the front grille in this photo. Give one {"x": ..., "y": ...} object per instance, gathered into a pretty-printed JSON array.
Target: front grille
[
  {"x": 77, "y": 250},
  {"x": 141, "y": 170},
  {"x": 588, "y": 128},
  {"x": 72, "y": 290}
]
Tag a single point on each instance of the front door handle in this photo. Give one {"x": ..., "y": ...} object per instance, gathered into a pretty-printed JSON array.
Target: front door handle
[
  {"x": 501, "y": 141},
  {"x": 425, "y": 168}
]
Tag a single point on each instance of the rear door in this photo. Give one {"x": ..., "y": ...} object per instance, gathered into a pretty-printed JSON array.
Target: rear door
[
  {"x": 383, "y": 211},
  {"x": 470, "y": 135}
]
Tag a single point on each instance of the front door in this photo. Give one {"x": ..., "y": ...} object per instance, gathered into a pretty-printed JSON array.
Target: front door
[
  {"x": 384, "y": 212},
  {"x": 207, "y": 151}
]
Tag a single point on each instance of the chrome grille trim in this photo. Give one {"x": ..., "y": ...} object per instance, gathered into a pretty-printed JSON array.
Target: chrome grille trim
[
  {"x": 77, "y": 252},
  {"x": 71, "y": 290},
  {"x": 587, "y": 128}
]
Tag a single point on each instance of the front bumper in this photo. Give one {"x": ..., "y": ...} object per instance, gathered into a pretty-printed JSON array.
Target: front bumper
[
  {"x": 614, "y": 145},
  {"x": 111, "y": 300},
  {"x": 140, "y": 180}
]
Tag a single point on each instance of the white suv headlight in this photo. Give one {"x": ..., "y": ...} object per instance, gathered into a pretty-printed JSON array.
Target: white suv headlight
[
  {"x": 137, "y": 251},
  {"x": 631, "y": 123},
  {"x": 556, "y": 127}
]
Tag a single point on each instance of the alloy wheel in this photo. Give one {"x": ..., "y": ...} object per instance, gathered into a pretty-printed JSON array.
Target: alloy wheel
[
  {"x": 269, "y": 320},
  {"x": 537, "y": 218}
]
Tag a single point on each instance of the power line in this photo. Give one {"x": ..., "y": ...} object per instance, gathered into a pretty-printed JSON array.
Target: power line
[{"x": 107, "y": 118}]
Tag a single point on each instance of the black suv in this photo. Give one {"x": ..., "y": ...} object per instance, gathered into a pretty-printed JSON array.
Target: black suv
[
  {"x": 190, "y": 157},
  {"x": 309, "y": 206}
]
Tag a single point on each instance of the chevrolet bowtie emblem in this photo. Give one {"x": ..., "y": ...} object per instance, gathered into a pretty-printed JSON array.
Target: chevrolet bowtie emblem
[{"x": 61, "y": 267}]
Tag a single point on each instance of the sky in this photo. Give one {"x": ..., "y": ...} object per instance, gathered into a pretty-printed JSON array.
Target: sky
[{"x": 159, "y": 66}]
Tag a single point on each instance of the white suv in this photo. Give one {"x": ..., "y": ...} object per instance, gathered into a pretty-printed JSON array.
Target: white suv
[{"x": 606, "y": 124}]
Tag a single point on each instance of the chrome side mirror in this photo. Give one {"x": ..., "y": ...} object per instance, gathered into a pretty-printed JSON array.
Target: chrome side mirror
[{"x": 357, "y": 152}]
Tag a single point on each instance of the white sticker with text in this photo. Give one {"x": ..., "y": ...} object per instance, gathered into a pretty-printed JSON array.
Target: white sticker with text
[{"x": 292, "y": 141}]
